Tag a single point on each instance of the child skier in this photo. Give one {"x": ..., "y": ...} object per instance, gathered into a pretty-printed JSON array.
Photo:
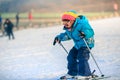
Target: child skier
[{"x": 76, "y": 28}]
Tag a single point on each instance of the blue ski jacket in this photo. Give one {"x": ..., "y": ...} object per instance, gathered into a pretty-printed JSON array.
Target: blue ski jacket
[{"x": 81, "y": 24}]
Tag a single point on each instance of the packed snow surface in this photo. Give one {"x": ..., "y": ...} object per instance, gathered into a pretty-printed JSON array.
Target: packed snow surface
[{"x": 32, "y": 56}]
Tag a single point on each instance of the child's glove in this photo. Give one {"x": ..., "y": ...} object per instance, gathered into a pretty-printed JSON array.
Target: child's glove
[{"x": 56, "y": 40}]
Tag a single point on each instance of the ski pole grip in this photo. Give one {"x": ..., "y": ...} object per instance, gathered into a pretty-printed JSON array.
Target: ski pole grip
[{"x": 82, "y": 35}]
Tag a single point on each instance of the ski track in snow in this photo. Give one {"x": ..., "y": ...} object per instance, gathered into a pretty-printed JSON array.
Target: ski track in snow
[{"x": 31, "y": 56}]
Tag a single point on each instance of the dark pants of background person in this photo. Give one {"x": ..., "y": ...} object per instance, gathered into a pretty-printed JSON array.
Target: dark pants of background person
[{"x": 10, "y": 33}]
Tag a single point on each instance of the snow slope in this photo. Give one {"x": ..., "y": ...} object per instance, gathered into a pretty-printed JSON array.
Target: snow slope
[{"x": 31, "y": 56}]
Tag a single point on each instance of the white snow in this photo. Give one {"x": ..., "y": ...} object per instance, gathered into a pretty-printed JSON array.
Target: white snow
[{"x": 31, "y": 56}]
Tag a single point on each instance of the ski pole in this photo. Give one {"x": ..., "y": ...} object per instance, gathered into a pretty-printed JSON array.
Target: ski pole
[
  {"x": 67, "y": 53},
  {"x": 93, "y": 58},
  {"x": 63, "y": 48}
]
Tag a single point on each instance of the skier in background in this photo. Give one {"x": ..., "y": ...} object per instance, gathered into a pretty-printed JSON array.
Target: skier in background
[
  {"x": 76, "y": 28},
  {"x": 17, "y": 20},
  {"x": 9, "y": 28},
  {"x": 0, "y": 22},
  {"x": 30, "y": 17}
]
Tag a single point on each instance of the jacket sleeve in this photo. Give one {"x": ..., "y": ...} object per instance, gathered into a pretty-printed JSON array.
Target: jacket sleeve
[
  {"x": 85, "y": 27},
  {"x": 63, "y": 37},
  {"x": 88, "y": 31},
  {"x": 12, "y": 25}
]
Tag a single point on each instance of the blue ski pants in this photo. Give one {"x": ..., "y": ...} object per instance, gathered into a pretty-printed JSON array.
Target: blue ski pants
[{"x": 78, "y": 62}]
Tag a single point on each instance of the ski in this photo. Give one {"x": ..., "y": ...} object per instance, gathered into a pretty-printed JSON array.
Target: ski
[
  {"x": 67, "y": 78},
  {"x": 100, "y": 78},
  {"x": 94, "y": 78}
]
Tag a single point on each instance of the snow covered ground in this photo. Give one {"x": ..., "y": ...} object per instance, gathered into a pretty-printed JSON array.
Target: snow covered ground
[{"x": 31, "y": 56}]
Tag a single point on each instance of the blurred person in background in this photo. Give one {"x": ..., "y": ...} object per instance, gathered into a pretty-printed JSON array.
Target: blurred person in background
[
  {"x": 30, "y": 17},
  {"x": 0, "y": 22},
  {"x": 17, "y": 20},
  {"x": 8, "y": 25}
]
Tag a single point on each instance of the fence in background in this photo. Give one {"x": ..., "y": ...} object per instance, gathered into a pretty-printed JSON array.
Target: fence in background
[{"x": 24, "y": 23}]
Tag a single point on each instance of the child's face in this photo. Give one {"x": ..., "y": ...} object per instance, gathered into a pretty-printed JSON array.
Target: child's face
[{"x": 68, "y": 23}]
